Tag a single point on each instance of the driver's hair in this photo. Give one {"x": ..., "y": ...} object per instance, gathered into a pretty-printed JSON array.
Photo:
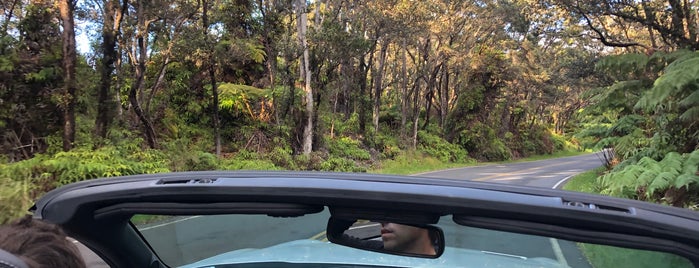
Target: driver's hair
[{"x": 39, "y": 244}]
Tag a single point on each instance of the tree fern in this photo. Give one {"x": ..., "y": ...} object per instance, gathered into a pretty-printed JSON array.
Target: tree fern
[
  {"x": 672, "y": 163},
  {"x": 623, "y": 64},
  {"x": 660, "y": 184},
  {"x": 626, "y": 125},
  {"x": 649, "y": 163},
  {"x": 691, "y": 164},
  {"x": 647, "y": 176},
  {"x": 685, "y": 180},
  {"x": 680, "y": 79}
]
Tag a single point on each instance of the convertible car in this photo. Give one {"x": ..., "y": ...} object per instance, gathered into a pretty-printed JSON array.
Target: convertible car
[{"x": 312, "y": 219}]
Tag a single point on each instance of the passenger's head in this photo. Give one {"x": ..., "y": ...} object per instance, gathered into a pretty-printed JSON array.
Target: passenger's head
[
  {"x": 39, "y": 244},
  {"x": 406, "y": 239}
]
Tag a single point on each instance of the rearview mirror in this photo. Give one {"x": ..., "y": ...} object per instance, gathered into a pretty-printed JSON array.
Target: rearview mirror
[{"x": 424, "y": 241}]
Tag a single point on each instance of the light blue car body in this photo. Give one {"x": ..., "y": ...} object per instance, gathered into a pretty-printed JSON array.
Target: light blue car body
[{"x": 314, "y": 251}]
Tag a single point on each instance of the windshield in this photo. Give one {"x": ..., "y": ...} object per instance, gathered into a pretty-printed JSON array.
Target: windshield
[{"x": 264, "y": 241}]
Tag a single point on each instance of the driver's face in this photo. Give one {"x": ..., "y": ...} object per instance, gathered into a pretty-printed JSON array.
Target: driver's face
[{"x": 402, "y": 238}]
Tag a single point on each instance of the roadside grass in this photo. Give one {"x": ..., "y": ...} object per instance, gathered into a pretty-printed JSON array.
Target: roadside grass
[
  {"x": 414, "y": 162},
  {"x": 601, "y": 256},
  {"x": 144, "y": 219},
  {"x": 585, "y": 182}
]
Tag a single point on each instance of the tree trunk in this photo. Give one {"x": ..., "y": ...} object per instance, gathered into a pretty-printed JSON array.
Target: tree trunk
[
  {"x": 305, "y": 76},
  {"x": 212, "y": 76},
  {"x": 416, "y": 114},
  {"x": 217, "y": 119},
  {"x": 139, "y": 73},
  {"x": 106, "y": 104},
  {"x": 66, "y": 8},
  {"x": 378, "y": 86},
  {"x": 404, "y": 91}
]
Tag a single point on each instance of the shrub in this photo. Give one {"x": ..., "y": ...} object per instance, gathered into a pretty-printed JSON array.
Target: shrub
[
  {"x": 341, "y": 165},
  {"x": 388, "y": 145},
  {"x": 282, "y": 157},
  {"x": 312, "y": 161},
  {"x": 346, "y": 127},
  {"x": 247, "y": 161},
  {"x": 348, "y": 147},
  {"x": 201, "y": 161},
  {"x": 439, "y": 148},
  {"x": 482, "y": 142}
]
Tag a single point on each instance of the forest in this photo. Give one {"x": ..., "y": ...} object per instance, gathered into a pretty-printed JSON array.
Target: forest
[{"x": 102, "y": 88}]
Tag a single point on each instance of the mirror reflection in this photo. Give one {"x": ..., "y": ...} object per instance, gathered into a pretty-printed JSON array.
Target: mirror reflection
[{"x": 388, "y": 237}]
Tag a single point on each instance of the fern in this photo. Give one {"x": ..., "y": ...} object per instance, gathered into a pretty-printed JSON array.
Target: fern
[
  {"x": 649, "y": 163},
  {"x": 672, "y": 163},
  {"x": 623, "y": 64},
  {"x": 690, "y": 114},
  {"x": 691, "y": 163},
  {"x": 626, "y": 125},
  {"x": 659, "y": 184},
  {"x": 681, "y": 79},
  {"x": 647, "y": 177},
  {"x": 685, "y": 180},
  {"x": 653, "y": 178}
]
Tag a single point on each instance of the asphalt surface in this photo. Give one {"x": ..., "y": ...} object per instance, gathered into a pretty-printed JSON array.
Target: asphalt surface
[
  {"x": 544, "y": 173},
  {"x": 219, "y": 232}
]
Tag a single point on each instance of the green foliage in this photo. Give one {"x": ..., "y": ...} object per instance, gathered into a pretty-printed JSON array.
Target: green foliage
[
  {"x": 671, "y": 180},
  {"x": 624, "y": 64},
  {"x": 239, "y": 99},
  {"x": 341, "y": 165},
  {"x": 282, "y": 156},
  {"x": 82, "y": 164},
  {"x": 247, "y": 160},
  {"x": 585, "y": 182},
  {"x": 437, "y": 147},
  {"x": 389, "y": 146},
  {"x": 348, "y": 147},
  {"x": 678, "y": 86},
  {"x": 602, "y": 256},
  {"x": 347, "y": 127},
  {"x": 24, "y": 181},
  {"x": 482, "y": 143}
]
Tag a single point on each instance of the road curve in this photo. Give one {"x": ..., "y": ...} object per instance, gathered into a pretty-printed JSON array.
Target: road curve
[{"x": 542, "y": 173}]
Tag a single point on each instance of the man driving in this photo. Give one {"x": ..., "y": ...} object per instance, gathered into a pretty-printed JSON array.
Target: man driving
[{"x": 406, "y": 239}]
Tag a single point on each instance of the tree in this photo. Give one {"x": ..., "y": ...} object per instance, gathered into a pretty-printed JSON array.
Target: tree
[
  {"x": 67, "y": 102},
  {"x": 616, "y": 23},
  {"x": 138, "y": 57},
  {"x": 305, "y": 75},
  {"x": 113, "y": 13}
]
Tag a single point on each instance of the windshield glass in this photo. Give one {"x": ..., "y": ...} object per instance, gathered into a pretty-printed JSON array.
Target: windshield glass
[{"x": 245, "y": 240}]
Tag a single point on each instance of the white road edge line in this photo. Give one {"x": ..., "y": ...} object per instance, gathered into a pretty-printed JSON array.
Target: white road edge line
[
  {"x": 167, "y": 223},
  {"x": 559, "y": 253},
  {"x": 562, "y": 181},
  {"x": 554, "y": 243}
]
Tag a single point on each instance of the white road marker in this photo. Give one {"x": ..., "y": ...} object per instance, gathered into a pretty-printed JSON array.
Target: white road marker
[
  {"x": 554, "y": 243},
  {"x": 167, "y": 223},
  {"x": 562, "y": 181}
]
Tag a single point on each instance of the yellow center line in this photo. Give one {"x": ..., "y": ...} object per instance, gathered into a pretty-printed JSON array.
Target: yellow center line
[
  {"x": 519, "y": 172},
  {"x": 319, "y": 235}
]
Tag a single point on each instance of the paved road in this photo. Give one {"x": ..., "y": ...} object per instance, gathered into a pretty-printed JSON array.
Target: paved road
[{"x": 546, "y": 173}]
